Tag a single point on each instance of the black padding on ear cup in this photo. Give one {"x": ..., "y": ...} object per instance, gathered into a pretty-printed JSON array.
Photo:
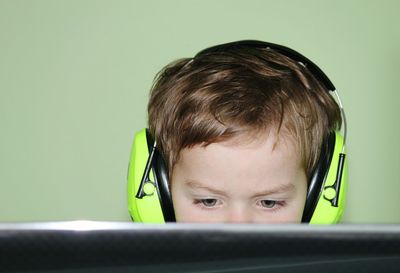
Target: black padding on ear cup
[
  {"x": 318, "y": 177},
  {"x": 161, "y": 180},
  {"x": 161, "y": 173}
]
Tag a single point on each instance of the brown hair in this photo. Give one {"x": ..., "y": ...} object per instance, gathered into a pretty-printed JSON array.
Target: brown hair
[{"x": 243, "y": 91}]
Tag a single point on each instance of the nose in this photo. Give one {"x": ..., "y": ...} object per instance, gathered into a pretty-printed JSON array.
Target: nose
[{"x": 238, "y": 215}]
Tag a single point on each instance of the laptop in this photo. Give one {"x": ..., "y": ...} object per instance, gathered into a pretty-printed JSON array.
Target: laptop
[{"x": 89, "y": 246}]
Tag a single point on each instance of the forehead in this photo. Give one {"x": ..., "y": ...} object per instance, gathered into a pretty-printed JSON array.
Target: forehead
[
  {"x": 269, "y": 138},
  {"x": 267, "y": 158},
  {"x": 264, "y": 144}
]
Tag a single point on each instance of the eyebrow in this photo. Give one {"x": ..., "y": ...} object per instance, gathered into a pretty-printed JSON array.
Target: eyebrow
[
  {"x": 198, "y": 185},
  {"x": 280, "y": 189}
]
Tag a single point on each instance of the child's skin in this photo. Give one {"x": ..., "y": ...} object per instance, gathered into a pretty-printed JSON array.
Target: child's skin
[{"x": 240, "y": 181}]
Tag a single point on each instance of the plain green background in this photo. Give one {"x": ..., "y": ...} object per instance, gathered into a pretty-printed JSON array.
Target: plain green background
[{"x": 75, "y": 77}]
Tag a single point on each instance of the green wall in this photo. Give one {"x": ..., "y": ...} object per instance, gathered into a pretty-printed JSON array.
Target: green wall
[{"x": 75, "y": 76}]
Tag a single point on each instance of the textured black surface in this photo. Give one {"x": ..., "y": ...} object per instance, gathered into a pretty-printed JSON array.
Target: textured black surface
[{"x": 180, "y": 248}]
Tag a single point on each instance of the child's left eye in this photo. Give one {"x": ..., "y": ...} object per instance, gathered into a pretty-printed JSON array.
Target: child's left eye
[
  {"x": 209, "y": 202},
  {"x": 268, "y": 203},
  {"x": 271, "y": 204}
]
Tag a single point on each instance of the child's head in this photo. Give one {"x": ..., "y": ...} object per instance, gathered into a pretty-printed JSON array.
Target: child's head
[{"x": 241, "y": 131}]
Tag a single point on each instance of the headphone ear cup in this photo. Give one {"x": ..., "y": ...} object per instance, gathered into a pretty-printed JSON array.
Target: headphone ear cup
[
  {"x": 145, "y": 209},
  {"x": 329, "y": 172}
]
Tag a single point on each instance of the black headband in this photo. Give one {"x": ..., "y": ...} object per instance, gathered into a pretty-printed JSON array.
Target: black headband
[{"x": 292, "y": 54}]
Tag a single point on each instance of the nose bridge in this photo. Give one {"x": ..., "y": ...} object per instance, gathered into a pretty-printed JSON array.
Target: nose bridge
[{"x": 239, "y": 214}]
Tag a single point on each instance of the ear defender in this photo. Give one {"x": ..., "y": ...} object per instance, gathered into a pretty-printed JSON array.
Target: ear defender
[
  {"x": 149, "y": 198},
  {"x": 327, "y": 185}
]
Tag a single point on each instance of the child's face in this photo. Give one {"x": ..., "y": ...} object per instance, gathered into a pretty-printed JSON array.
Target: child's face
[{"x": 229, "y": 182}]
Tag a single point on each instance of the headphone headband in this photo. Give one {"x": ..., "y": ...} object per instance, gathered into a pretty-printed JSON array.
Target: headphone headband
[{"x": 294, "y": 55}]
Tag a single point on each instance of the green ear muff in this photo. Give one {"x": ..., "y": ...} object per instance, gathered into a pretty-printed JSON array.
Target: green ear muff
[
  {"x": 323, "y": 204},
  {"x": 149, "y": 199},
  {"x": 332, "y": 195},
  {"x": 148, "y": 208}
]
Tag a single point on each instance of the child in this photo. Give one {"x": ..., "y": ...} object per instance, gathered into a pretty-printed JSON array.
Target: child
[{"x": 244, "y": 133}]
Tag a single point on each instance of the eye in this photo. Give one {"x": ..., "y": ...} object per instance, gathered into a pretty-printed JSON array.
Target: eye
[
  {"x": 268, "y": 203},
  {"x": 209, "y": 202}
]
